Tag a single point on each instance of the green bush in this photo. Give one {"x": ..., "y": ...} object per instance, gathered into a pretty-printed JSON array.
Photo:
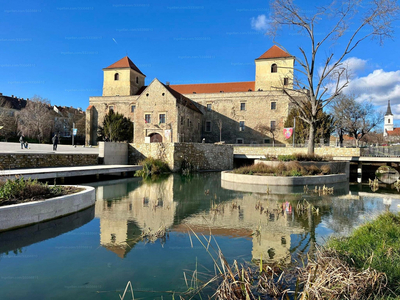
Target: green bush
[
  {"x": 376, "y": 245},
  {"x": 152, "y": 166}
]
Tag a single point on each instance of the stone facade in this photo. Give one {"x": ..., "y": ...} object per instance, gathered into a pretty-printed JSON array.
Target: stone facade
[
  {"x": 34, "y": 160},
  {"x": 197, "y": 156},
  {"x": 229, "y": 112}
]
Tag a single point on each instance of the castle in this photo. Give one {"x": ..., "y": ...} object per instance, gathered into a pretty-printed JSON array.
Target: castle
[{"x": 250, "y": 112}]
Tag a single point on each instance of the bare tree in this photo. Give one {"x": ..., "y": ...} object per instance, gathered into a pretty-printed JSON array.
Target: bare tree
[
  {"x": 36, "y": 119},
  {"x": 347, "y": 24},
  {"x": 8, "y": 122},
  {"x": 354, "y": 118},
  {"x": 268, "y": 130}
]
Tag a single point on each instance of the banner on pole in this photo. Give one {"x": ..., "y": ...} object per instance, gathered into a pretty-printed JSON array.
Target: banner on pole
[
  {"x": 287, "y": 132},
  {"x": 74, "y": 131}
]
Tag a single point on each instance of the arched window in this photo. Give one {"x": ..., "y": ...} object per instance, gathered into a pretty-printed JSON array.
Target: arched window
[
  {"x": 274, "y": 68},
  {"x": 116, "y": 76}
]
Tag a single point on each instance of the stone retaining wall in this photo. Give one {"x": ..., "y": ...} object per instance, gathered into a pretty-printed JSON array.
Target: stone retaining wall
[
  {"x": 275, "y": 151},
  {"x": 197, "y": 156},
  {"x": 45, "y": 160},
  {"x": 113, "y": 153}
]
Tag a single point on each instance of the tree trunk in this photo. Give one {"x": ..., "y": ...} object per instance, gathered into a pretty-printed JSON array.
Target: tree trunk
[{"x": 311, "y": 136}]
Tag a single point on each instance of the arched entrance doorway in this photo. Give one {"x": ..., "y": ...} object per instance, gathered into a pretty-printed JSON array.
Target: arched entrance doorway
[{"x": 155, "y": 138}]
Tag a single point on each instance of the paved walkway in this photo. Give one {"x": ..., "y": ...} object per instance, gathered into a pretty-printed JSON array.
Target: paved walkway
[
  {"x": 46, "y": 148},
  {"x": 60, "y": 172}
]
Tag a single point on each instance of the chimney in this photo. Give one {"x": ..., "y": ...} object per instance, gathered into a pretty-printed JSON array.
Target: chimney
[{"x": 167, "y": 83}]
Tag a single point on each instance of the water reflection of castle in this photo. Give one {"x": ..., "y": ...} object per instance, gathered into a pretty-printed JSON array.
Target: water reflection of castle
[
  {"x": 266, "y": 222},
  {"x": 150, "y": 206}
]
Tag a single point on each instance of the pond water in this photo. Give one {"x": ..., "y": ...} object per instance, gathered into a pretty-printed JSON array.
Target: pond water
[{"x": 93, "y": 254}]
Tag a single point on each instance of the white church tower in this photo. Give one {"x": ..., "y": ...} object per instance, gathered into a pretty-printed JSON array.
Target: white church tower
[{"x": 388, "y": 126}]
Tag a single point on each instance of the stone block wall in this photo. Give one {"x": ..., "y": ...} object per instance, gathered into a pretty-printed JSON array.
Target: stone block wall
[
  {"x": 275, "y": 151},
  {"x": 113, "y": 153},
  {"x": 35, "y": 160},
  {"x": 194, "y": 155}
]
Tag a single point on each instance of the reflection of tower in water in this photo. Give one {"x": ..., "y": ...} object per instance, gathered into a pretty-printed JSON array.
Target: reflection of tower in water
[
  {"x": 144, "y": 209},
  {"x": 266, "y": 222}
]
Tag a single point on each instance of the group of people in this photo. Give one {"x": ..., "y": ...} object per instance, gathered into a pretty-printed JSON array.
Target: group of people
[{"x": 24, "y": 144}]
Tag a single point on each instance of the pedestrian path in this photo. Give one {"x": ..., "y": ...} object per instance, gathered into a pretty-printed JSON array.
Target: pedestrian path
[{"x": 62, "y": 172}]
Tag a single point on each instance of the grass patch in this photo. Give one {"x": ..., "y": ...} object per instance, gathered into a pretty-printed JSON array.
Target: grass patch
[
  {"x": 21, "y": 191},
  {"x": 288, "y": 169},
  {"x": 374, "y": 245},
  {"x": 151, "y": 167}
]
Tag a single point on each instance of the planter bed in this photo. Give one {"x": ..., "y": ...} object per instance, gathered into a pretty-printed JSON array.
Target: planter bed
[
  {"x": 284, "y": 180},
  {"x": 19, "y": 215}
]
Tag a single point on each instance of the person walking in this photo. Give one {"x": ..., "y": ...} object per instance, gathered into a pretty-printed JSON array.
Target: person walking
[
  {"x": 21, "y": 140},
  {"x": 55, "y": 142}
]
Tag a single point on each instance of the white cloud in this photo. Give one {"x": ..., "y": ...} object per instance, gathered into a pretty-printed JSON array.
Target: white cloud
[
  {"x": 379, "y": 87},
  {"x": 260, "y": 23}
]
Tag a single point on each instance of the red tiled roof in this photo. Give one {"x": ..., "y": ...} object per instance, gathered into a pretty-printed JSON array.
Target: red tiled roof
[
  {"x": 207, "y": 88},
  {"x": 89, "y": 107},
  {"x": 182, "y": 99},
  {"x": 125, "y": 63},
  {"x": 394, "y": 132},
  {"x": 275, "y": 52}
]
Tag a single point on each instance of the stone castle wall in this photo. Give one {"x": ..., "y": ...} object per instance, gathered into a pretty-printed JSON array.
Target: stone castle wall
[
  {"x": 35, "y": 160},
  {"x": 275, "y": 151},
  {"x": 185, "y": 155}
]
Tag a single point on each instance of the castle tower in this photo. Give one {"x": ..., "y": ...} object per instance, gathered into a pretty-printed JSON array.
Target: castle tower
[
  {"x": 388, "y": 126},
  {"x": 122, "y": 78},
  {"x": 274, "y": 69}
]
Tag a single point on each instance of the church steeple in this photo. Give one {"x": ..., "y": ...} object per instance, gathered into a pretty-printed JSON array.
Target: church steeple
[
  {"x": 388, "y": 125},
  {"x": 389, "y": 110}
]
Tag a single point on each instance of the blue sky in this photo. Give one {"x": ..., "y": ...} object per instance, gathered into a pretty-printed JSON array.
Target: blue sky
[{"x": 57, "y": 49}]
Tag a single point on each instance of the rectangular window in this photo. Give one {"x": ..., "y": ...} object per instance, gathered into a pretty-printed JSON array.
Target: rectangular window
[
  {"x": 182, "y": 121},
  {"x": 147, "y": 118},
  {"x": 208, "y": 126},
  {"x": 162, "y": 119},
  {"x": 208, "y": 107},
  {"x": 273, "y": 105},
  {"x": 133, "y": 107},
  {"x": 241, "y": 125},
  {"x": 267, "y": 141},
  {"x": 285, "y": 81},
  {"x": 239, "y": 141},
  {"x": 188, "y": 122},
  {"x": 110, "y": 108},
  {"x": 242, "y": 106},
  {"x": 273, "y": 125},
  {"x": 198, "y": 126}
]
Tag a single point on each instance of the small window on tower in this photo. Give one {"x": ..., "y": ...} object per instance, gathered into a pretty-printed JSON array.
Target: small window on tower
[
  {"x": 285, "y": 81},
  {"x": 133, "y": 107},
  {"x": 389, "y": 121},
  {"x": 137, "y": 79},
  {"x": 242, "y": 106},
  {"x": 116, "y": 76},
  {"x": 274, "y": 68},
  {"x": 273, "y": 105},
  {"x": 208, "y": 107}
]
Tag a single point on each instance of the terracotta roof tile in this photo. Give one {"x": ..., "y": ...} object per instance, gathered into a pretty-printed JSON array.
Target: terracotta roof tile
[
  {"x": 275, "y": 52},
  {"x": 207, "y": 88},
  {"x": 89, "y": 107},
  {"x": 394, "y": 132},
  {"x": 125, "y": 63},
  {"x": 182, "y": 99}
]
